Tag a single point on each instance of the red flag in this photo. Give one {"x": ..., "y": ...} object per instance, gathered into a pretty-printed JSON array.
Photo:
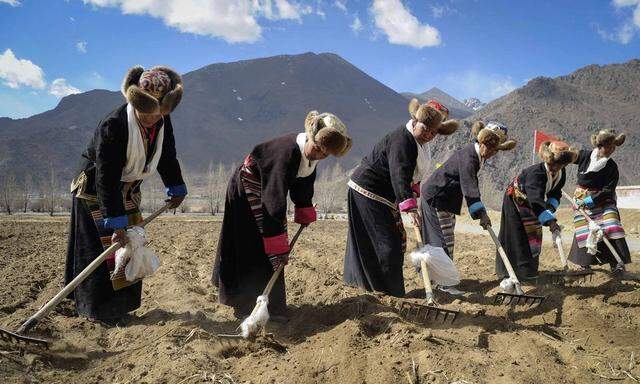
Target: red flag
[{"x": 539, "y": 138}]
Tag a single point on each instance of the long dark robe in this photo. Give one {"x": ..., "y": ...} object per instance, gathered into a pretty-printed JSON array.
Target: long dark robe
[
  {"x": 438, "y": 228},
  {"x": 100, "y": 194},
  {"x": 521, "y": 222},
  {"x": 241, "y": 267},
  {"x": 456, "y": 179},
  {"x": 442, "y": 195},
  {"x": 601, "y": 187},
  {"x": 375, "y": 246},
  {"x": 376, "y": 239},
  {"x": 95, "y": 297}
]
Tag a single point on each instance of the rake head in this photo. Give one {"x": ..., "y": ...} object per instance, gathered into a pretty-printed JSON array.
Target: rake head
[
  {"x": 561, "y": 277},
  {"x": 16, "y": 338},
  {"x": 517, "y": 299},
  {"x": 427, "y": 312}
]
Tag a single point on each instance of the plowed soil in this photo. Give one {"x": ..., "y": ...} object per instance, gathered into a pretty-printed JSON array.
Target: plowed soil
[{"x": 581, "y": 333}]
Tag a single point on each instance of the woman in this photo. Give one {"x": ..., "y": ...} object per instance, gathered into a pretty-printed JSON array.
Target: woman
[
  {"x": 442, "y": 194},
  {"x": 596, "y": 194},
  {"x": 382, "y": 187},
  {"x": 253, "y": 239},
  {"x": 128, "y": 146},
  {"x": 529, "y": 204}
]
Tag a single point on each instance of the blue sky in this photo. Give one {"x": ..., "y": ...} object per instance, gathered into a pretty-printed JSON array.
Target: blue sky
[{"x": 481, "y": 48}]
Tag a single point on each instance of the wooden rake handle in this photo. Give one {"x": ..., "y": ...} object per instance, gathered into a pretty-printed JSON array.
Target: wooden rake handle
[
  {"x": 33, "y": 320},
  {"x": 589, "y": 219},
  {"x": 276, "y": 274},
  {"x": 559, "y": 245},
  {"x": 503, "y": 256},
  {"x": 428, "y": 289}
]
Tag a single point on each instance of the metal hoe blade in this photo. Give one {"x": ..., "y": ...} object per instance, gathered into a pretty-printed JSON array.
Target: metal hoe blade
[
  {"x": 425, "y": 312},
  {"x": 17, "y": 339},
  {"x": 561, "y": 277},
  {"x": 515, "y": 299}
]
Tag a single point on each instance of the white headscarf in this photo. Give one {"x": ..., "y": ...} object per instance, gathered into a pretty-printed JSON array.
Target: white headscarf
[
  {"x": 423, "y": 159},
  {"x": 307, "y": 166},
  {"x": 596, "y": 164}
]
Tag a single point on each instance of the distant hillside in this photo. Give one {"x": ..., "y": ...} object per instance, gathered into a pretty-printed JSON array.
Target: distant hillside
[
  {"x": 572, "y": 107},
  {"x": 227, "y": 108},
  {"x": 457, "y": 109}
]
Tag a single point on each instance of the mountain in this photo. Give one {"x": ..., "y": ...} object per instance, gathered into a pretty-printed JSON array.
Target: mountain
[
  {"x": 571, "y": 107},
  {"x": 457, "y": 109},
  {"x": 227, "y": 108},
  {"x": 474, "y": 103}
]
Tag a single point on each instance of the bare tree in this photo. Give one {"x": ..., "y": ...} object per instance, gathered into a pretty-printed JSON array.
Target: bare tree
[
  {"x": 216, "y": 186},
  {"x": 188, "y": 178},
  {"x": 8, "y": 192},
  {"x": 330, "y": 188},
  {"x": 50, "y": 190},
  {"x": 27, "y": 186},
  {"x": 152, "y": 194}
]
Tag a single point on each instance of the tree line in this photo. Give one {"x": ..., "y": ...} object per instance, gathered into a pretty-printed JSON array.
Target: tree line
[{"x": 26, "y": 193}]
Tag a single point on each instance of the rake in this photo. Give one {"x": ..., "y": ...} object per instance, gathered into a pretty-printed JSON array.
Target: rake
[
  {"x": 620, "y": 269},
  {"x": 431, "y": 307},
  {"x": 559, "y": 277},
  {"x": 20, "y": 335},
  {"x": 260, "y": 314},
  {"x": 519, "y": 297}
]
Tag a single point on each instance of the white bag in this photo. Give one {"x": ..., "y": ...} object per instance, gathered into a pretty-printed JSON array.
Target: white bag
[
  {"x": 441, "y": 268},
  {"x": 508, "y": 285},
  {"x": 595, "y": 236},
  {"x": 137, "y": 260}
]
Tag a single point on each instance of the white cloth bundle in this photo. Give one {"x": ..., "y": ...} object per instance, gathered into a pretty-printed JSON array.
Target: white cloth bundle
[
  {"x": 441, "y": 268},
  {"x": 595, "y": 236},
  {"x": 508, "y": 285},
  {"x": 557, "y": 235},
  {"x": 137, "y": 260},
  {"x": 258, "y": 318}
]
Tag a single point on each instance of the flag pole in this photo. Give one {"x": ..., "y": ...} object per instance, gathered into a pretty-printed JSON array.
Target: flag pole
[{"x": 533, "y": 151}]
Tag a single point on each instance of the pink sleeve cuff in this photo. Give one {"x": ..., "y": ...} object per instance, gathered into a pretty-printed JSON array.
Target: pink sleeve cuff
[
  {"x": 416, "y": 189},
  {"x": 408, "y": 205},
  {"x": 276, "y": 245},
  {"x": 305, "y": 215}
]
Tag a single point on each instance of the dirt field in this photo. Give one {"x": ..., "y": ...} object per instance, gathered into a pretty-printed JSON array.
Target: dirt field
[{"x": 585, "y": 333}]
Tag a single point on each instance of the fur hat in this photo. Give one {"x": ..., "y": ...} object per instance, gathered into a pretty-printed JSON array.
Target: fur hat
[
  {"x": 492, "y": 134},
  {"x": 158, "y": 90},
  {"x": 606, "y": 137},
  {"x": 557, "y": 152},
  {"x": 433, "y": 115},
  {"x": 328, "y": 131}
]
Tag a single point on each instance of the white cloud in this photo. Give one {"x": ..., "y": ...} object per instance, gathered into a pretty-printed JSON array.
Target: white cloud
[
  {"x": 18, "y": 72},
  {"x": 72, "y": 19},
  {"x": 81, "y": 46},
  {"x": 341, "y": 5},
  {"x": 440, "y": 10},
  {"x": 13, "y": 3},
  {"x": 485, "y": 87},
  {"x": 624, "y": 3},
  {"x": 60, "y": 88},
  {"x": 356, "y": 26},
  {"x": 437, "y": 11},
  {"x": 235, "y": 21},
  {"x": 624, "y": 33},
  {"x": 401, "y": 27}
]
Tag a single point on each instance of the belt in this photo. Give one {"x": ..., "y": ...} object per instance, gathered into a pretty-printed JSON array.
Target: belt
[{"x": 371, "y": 195}]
